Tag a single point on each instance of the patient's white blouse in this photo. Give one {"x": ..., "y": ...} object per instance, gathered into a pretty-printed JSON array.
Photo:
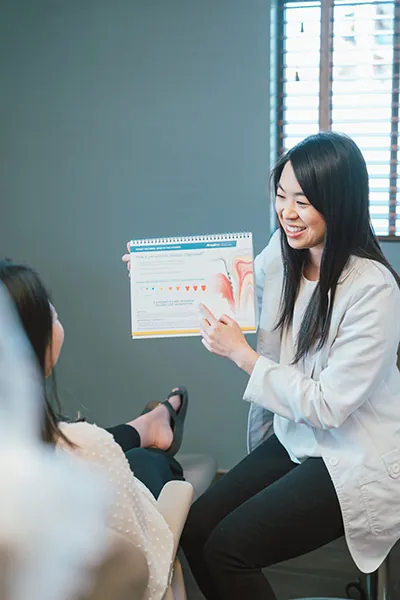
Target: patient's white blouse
[{"x": 134, "y": 512}]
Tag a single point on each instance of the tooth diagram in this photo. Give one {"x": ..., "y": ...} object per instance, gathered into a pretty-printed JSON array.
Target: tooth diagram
[
  {"x": 221, "y": 286},
  {"x": 242, "y": 275},
  {"x": 243, "y": 272}
]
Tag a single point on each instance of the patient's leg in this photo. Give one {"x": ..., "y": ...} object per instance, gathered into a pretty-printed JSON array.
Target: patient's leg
[{"x": 154, "y": 468}]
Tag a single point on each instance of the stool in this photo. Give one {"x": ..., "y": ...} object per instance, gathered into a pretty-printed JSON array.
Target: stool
[
  {"x": 199, "y": 470},
  {"x": 379, "y": 582},
  {"x": 376, "y": 585}
]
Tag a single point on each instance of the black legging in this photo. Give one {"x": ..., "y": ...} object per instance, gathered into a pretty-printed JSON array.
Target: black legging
[
  {"x": 152, "y": 467},
  {"x": 265, "y": 510}
]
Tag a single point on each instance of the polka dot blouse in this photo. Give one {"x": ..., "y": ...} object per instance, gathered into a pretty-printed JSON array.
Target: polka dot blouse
[{"x": 134, "y": 512}]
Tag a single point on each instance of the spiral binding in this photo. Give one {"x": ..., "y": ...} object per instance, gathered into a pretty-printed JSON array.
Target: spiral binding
[{"x": 193, "y": 238}]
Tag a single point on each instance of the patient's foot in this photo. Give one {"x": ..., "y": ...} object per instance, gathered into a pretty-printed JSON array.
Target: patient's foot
[{"x": 154, "y": 427}]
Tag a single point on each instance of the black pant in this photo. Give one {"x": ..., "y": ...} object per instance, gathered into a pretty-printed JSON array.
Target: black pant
[
  {"x": 265, "y": 510},
  {"x": 152, "y": 467}
]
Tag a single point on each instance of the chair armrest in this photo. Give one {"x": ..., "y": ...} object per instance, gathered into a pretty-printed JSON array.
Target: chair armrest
[{"x": 174, "y": 503}]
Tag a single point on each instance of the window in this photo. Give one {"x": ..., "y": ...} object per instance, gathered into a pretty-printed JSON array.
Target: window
[{"x": 338, "y": 68}]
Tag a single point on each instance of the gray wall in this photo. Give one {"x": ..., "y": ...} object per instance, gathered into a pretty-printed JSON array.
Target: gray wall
[
  {"x": 128, "y": 119},
  {"x": 132, "y": 118}
]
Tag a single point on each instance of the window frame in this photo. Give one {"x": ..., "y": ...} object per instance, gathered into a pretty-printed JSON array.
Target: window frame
[{"x": 325, "y": 92}]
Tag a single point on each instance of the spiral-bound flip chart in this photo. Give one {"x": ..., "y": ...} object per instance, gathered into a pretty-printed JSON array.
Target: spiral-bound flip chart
[{"x": 172, "y": 277}]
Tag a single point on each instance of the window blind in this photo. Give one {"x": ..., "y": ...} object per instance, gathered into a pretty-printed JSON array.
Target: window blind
[{"x": 339, "y": 69}]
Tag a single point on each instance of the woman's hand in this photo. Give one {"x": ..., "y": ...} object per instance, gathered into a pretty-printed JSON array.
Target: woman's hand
[
  {"x": 225, "y": 338},
  {"x": 127, "y": 257}
]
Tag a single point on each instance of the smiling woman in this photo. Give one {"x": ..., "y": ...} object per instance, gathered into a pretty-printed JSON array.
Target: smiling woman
[
  {"x": 303, "y": 225},
  {"x": 330, "y": 170},
  {"x": 324, "y": 388}
]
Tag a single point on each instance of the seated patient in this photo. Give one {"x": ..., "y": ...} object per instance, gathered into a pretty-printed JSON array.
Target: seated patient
[{"x": 145, "y": 445}]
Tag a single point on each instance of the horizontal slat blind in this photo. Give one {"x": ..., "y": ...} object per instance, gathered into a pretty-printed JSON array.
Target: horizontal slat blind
[
  {"x": 300, "y": 77},
  {"x": 364, "y": 96}
]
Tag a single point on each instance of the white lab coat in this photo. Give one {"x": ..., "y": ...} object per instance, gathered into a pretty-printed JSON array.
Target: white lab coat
[{"x": 348, "y": 393}]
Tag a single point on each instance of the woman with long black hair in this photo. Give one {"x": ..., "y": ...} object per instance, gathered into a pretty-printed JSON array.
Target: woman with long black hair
[{"x": 324, "y": 388}]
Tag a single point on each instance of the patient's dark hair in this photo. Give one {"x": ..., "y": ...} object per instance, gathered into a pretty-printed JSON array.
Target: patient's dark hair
[
  {"x": 33, "y": 305},
  {"x": 333, "y": 176}
]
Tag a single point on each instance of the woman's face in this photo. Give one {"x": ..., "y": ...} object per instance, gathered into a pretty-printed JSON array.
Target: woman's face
[
  {"x": 57, "y": 339},
  {"x": 303, "y": 225}
]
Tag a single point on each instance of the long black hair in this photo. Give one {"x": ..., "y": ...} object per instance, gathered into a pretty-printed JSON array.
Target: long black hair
[
  {"x": 332, "y": 174},
  {"x": 33, "y": 305}
]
